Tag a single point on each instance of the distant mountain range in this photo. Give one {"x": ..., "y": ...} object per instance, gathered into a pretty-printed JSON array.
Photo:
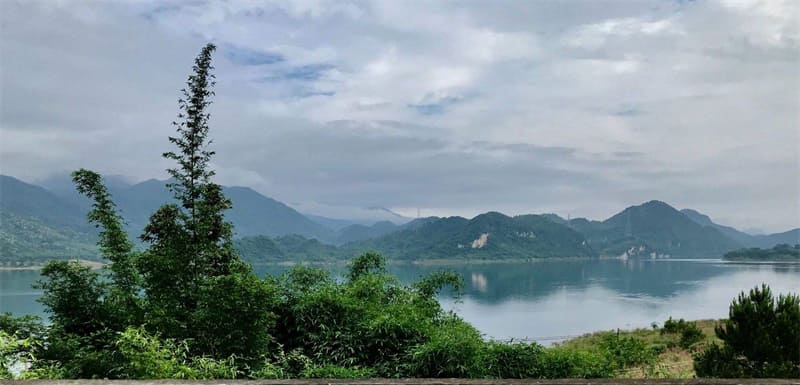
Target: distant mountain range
[
  {"x": 762, "y": 240},
  {"x": 39, "y": 223}
]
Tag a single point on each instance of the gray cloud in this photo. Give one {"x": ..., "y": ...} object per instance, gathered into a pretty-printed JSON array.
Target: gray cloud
[{"x": 579, "y": 108}]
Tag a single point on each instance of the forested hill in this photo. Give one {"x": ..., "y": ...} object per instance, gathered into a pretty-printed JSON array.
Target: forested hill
[
  {"x": 652, "y": 228},
  {"x": 36, "y": 225},
  {"x": 485, "y": 237}
]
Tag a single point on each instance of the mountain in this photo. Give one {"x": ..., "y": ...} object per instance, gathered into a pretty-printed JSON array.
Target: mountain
[
  {"x": 40, "y": 224},
  {"x": 252, "y": 213},
  {"x": 33, "y": 202},
  {"x": 263, "y": 249},
  {"x": 704, "y": 220},
  {"x": 29, "y": 241},
  {"x": 652, "y": 228},
  {"x": 36, "y": 225},
  {"x": 487, "y": 236},
  {"x": 255, "y": 214},
  {"x": 555, "y": 218},
  {"x": 662, "y": 229},
  {"x": 336, "y": 224},
  {"x": 354, "y": 233},
  {"x": 790, "y": 237}
]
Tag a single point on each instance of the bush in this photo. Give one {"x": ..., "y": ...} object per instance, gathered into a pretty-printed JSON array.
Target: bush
[
  {"x": 690, "y": 334},
  {"x": 147, "y": 357},
  {"x": 248, "y": 333},
  {"x": 626, "y": 351},
  {"x": 761, "y": 338},
  {"x": 511, "y": 360},
  {"x": 452, "y": 351},
  {"x": 571, "y": 363}
]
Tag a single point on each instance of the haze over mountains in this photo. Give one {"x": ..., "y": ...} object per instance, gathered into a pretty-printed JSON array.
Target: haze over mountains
[{"x": 39, "y": 224}]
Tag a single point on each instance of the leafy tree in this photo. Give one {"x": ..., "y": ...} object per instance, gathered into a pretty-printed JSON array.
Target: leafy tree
[
  {"x": 73, "y": 295},
  {"x": 114, "y": 246},
  {"x": 235, "y": 316},
  {"x": 761, "y": 338},
  {"x": 82, "y": 321},
  {"x": 191, "y": 241}
]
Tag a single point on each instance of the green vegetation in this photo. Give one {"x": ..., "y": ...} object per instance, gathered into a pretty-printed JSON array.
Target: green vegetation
[
  {"x": 761, "y": 338},
  {"x": 689, "y": 332},
  {"x": 781, "y": 252},
  {"x": 29, "y": 242},
  {"x": 288, "y": 248},
  {"x": 649, "y": 353}
]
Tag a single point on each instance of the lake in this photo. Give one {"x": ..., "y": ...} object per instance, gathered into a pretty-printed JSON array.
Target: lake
[{"x": 551, "y": 300}]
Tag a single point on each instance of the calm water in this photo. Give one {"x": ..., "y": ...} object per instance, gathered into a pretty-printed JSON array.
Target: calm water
[{"x": 547, "y": 301}]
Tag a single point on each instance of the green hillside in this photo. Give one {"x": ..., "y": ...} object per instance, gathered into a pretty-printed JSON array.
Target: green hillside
[
  {"x": 652, "y": 228},
  {"x": 487, "y": 236},
  {"x": 30, "y": 201},
  {"x": 287, "y": 248},
  {"x": 30, "y": 242},
  {"x": 741, "y": 237},
  {"x": 37, "y": 226}
]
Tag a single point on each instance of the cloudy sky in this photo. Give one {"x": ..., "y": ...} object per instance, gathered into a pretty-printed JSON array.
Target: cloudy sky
[{"x": 454, "y": 108}]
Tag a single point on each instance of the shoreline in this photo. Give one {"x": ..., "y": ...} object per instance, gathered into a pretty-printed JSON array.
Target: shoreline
[{"x": 94, "y": 265}]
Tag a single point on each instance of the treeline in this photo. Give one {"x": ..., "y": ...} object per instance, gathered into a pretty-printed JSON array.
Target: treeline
[{"x": 783, "y": 252}]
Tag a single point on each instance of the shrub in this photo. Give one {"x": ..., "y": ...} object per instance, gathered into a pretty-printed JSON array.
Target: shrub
[
  {"x": 511, "y": 360},
  {"x": 268, "y": 371},
  {"x": 571, "y": 363},
  {"x": 761, "y": 338},
  {"x": 248, "y": 333},
  {"x": 625, "y": 351},
  {"x": 452, "y": 351},
  {"x": 690, "y": 334},
  {"x": 147, "y": 357}
]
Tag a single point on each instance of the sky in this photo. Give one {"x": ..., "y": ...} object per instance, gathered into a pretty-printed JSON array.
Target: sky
[{"x": 579, "y": 108}]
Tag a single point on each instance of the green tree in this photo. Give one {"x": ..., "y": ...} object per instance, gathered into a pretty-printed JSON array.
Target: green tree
[
  {"x": 114, "y": 246},
  {"x": 191, "y": 241},
  {"x": 761, "y": 338}
]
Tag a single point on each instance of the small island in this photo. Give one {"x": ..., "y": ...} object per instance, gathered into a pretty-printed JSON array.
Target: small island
[{"x": 782, "y": 252}]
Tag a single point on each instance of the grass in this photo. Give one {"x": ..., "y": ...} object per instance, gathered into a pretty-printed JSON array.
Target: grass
[{"x": 672, "y": 360}]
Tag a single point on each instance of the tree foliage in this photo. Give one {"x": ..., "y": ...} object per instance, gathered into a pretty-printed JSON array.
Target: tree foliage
[{"x": 761, "y": 338}]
